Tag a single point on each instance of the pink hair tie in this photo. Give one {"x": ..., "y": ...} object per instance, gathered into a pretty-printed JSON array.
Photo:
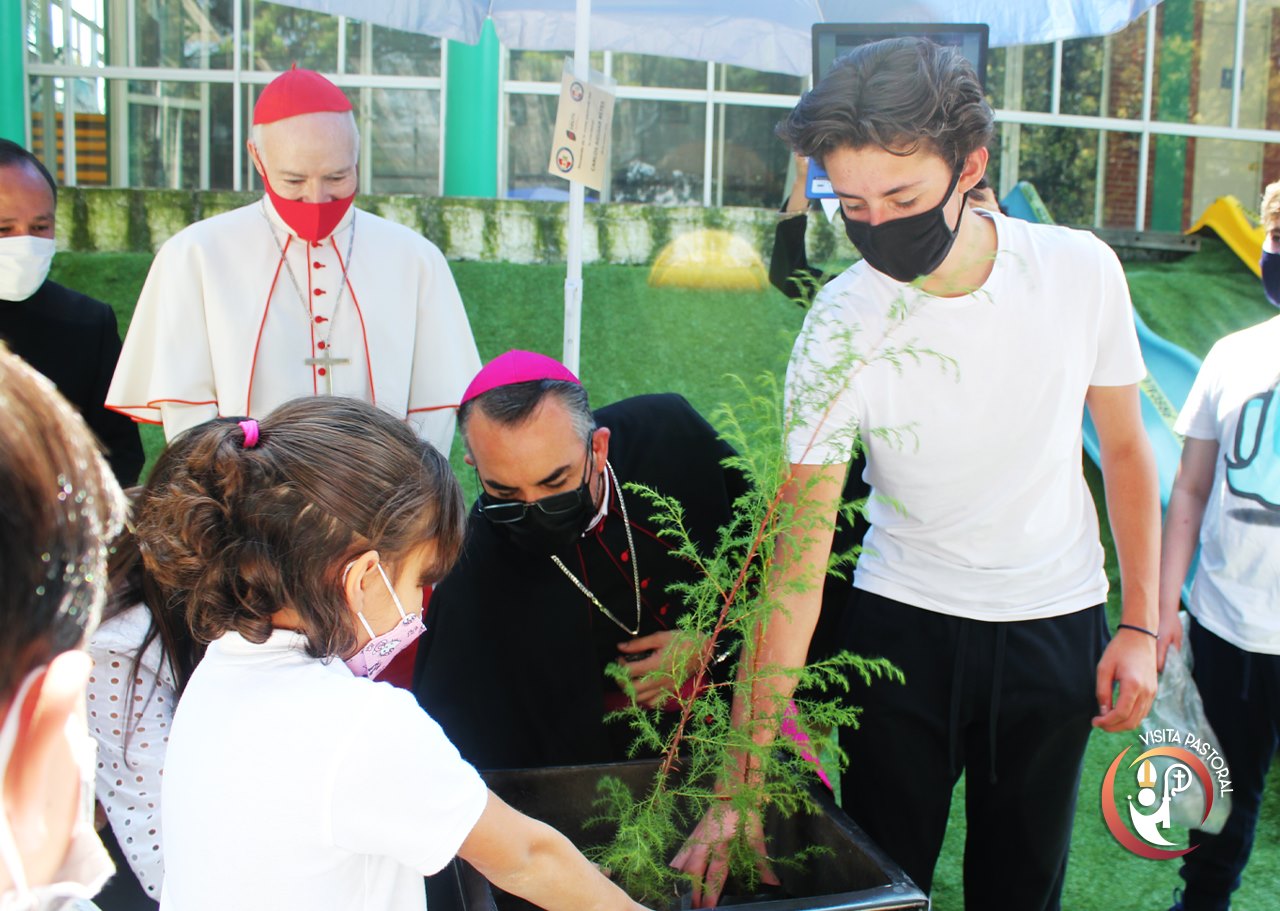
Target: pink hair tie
[{"x": 250, "y": 428}]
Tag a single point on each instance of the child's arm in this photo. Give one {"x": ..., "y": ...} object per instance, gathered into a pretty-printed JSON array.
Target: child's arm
[
  {"x": 1187, "y": 499},
  {"x": 532, "y": 860}
]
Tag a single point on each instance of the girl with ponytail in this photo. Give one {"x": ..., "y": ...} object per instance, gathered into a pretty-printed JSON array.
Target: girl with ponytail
[{"x": 298, "y": 547}]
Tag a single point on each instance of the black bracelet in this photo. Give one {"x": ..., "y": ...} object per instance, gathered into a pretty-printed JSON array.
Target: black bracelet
[{"x": 1136, "y": 629}]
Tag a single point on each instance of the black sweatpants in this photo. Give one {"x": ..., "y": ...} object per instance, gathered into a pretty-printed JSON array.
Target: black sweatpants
[
  {"x": 1241, "y": 695},
  {"x": 1010, "y": 704}
]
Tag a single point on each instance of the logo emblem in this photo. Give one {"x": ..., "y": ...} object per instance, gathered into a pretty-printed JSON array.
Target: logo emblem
[
  {"x": 1157, "y": 789},
  {"x": 564, "y": 159}
]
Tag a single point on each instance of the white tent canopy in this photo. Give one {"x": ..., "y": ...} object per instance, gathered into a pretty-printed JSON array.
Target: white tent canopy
[{"x": 770, "y": 35}]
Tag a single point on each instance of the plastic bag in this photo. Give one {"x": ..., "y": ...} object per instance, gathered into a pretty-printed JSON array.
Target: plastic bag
[{"x": 1178, "y": 706}]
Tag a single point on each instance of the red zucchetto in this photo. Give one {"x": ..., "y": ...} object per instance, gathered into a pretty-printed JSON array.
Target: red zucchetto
[{"x": 296, "y": 92}]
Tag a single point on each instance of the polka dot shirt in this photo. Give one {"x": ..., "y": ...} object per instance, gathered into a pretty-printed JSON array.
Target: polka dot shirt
[{"x": 131, "y": 725}]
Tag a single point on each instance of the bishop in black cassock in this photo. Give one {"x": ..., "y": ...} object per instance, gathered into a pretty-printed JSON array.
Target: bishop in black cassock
[{"x": 512, "y": 663}]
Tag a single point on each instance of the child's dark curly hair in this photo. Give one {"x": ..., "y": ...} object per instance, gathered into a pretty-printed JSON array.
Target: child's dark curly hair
[{"x": 241, "y": 531}]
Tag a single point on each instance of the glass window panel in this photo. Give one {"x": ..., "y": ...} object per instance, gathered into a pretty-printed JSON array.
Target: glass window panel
[
  {"x": 530, "y": 123},
  {"x": 400, "y": 139},
  {"x": 195, "y": 35},
  {"x": 1021, "y": 79},
  {"x": 179, "y": 135},
  {"x": 995, "y": 76},
  {"x": 1200, "y": 46},
  {"x": 751, "y": 163},
  {"x": 79, "y": 41},
  {"x": 279, "y": 36},
  {"x": 1204, "y": 78},
  {"x": 49, "y": 140},
  {"x": 1037, "y": 77},
  {"x": 657, "y": 152},
  {"x": 1082, "y": 76},
  {"x": 1062, "y": 164},
  {"x": 663, "y": 72},
  {"x": 1125, "y": 53},
  {"x": 536, "y": 66},
  {"x": 249, "y": 179},
  {"x": 1223, "y": 167},
  {"x": 544, "y": 66},
  {"x": 742, "y": 79},
  {"x": 385, "y": 51}
]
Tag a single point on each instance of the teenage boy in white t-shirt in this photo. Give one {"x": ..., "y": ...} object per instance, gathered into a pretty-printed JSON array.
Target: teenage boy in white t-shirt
[
  {"x": 964, "y": 347},
  {"x": 1226, "y": 497}
]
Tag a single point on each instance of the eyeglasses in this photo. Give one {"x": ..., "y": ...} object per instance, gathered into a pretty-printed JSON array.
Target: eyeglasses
[
  {"x": 556, "y": 504},
  {"x": 506, "y": 511}
]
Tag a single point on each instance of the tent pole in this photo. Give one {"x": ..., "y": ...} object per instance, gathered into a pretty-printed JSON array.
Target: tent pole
[{"x": 577, "y": 204}]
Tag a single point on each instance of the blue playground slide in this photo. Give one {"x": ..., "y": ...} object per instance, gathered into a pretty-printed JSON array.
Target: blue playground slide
[{"x": 1170, "y": 372}]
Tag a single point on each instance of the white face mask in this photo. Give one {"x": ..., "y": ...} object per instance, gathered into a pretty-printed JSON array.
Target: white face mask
[
  {"x": 87, "y": 865},
  {"x": 24, "y": 265}
]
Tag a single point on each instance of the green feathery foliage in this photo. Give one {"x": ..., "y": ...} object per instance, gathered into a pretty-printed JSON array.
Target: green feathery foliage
[{"x": 728, "y": 606}]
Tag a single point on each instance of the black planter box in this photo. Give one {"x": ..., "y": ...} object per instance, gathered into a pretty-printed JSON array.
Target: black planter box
[{"x": 851, "y": 874}]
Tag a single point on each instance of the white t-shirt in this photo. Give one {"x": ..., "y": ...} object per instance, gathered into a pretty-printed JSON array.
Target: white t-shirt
[
  {"x": 131, "y": 725},
  {"x": 971, "y": 410},
  {"x": 292, "y": 784},
  {"x": 1235, "y": 402}
]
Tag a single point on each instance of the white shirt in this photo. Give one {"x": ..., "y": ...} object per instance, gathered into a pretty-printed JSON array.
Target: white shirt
[
  {"x": 131, "y": 725},
  {"x": 971, "y": 411},
  {"x": 220, "y": 328},
  {"x": 1234, "y": 402},
  {"x": 292, "y": 784}
]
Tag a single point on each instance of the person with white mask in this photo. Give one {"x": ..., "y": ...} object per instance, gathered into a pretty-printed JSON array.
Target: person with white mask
[
  {"x": 69, "y": 337},
  {"x": 62, "y": 509}
]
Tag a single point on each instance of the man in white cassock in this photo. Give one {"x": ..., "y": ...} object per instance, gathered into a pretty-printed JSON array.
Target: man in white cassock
[{"x": 299, "y": 293}]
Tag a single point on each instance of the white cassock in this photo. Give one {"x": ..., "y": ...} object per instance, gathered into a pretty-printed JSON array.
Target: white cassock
[{"x": 223, "y": 328}]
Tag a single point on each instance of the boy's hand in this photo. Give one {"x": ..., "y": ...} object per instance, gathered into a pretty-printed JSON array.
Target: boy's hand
[
  {"x": 1129, "y": 664},
  {"x": 660, "y": 651},
  {"x": 705, "y": 852}
]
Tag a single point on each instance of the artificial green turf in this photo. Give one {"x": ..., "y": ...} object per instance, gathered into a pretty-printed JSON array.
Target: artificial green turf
[
  {"x": 640, "y": 339},
  {"x": 1195, "y": 301}
]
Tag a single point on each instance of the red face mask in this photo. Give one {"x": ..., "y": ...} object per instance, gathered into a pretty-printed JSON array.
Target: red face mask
[{"x": 312, "y": 221}]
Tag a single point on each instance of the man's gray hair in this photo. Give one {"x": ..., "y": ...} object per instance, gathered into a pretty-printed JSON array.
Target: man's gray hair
[{"x": 513, "y": 404}]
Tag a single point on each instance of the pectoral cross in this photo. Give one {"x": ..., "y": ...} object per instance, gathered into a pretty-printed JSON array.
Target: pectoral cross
[{"x": 327, "y": 364}]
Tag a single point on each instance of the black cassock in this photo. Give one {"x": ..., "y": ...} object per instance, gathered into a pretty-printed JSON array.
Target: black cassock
[
  {"x": 71, "y": 338},
  {"x": 512, "y": 663}
]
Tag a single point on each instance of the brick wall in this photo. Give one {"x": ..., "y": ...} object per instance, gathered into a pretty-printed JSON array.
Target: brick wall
[{"x": 1120, "y": 197}]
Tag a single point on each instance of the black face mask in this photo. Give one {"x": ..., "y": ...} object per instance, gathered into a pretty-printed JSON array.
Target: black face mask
[
  {"x": 906, "y": 248},
  {"x": 545, "y": 526},
  {"x": 1271, "y": 277}
]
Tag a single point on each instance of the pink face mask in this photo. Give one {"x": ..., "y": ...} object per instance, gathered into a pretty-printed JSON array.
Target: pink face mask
[
  {"x": 312, "y": 221},
  {"x": 377, "y": 653}
]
